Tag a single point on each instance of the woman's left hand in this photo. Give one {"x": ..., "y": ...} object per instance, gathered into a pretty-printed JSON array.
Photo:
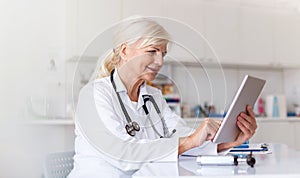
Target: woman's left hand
[{"x": 247, "y": 124}]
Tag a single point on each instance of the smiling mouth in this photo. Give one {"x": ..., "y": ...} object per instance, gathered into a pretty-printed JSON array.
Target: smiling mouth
[{"x": 153, "y": 69}]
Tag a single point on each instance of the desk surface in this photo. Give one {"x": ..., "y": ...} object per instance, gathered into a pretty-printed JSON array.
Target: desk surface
[{"x": 283, "y": 162}]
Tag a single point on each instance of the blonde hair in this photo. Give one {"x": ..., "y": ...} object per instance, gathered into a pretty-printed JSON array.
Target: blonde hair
[{"x": 130, "y": 31}]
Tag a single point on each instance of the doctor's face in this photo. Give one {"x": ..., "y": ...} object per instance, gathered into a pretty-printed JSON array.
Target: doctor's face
[{"x": 144, "y": 62}]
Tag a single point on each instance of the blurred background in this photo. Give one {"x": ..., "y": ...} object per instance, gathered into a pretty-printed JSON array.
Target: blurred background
[{"x": 42, "y": 42}]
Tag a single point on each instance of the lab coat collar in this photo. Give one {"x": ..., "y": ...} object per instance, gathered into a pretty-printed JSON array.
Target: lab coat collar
[{"x": 120, "y": 87}]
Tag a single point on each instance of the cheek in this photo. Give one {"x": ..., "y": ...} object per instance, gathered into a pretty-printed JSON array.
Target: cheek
[
  {"x": 148, "y": 59},
  {"x": 144, "y": 61}
]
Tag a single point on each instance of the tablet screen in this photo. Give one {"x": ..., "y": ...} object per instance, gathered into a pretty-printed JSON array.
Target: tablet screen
[{"x": 247, "y": 94}]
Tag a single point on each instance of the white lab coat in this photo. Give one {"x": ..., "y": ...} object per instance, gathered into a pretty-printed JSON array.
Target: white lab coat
[{"x": 103, "y": 147}]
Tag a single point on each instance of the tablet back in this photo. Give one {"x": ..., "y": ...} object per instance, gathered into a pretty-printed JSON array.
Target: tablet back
[{"x": 247, "y": 94}]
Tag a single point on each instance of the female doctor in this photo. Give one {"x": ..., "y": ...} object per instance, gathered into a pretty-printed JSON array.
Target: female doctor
[{"x": 121, "y": 122}]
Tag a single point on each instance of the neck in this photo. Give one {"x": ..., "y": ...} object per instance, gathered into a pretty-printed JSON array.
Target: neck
[{"x": 132, "y": 84}]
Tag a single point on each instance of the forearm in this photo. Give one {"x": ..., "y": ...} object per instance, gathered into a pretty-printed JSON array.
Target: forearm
[{"x": 185, "y": 144}]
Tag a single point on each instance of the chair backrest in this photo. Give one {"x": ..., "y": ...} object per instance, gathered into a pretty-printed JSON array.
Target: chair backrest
[{"x": 58, "y": 165}]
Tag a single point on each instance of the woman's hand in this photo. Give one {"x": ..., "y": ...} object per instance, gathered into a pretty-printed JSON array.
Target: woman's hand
[
  {"x": 247, "y": 124},
  {"x": 206, "y": 131}
]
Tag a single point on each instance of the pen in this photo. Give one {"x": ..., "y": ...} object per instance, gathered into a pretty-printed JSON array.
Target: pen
[
  {"x": 249, "y": 150},
  {"x": 189, "y": 155}
]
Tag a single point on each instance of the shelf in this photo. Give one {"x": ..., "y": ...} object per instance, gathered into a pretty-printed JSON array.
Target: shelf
[
  {"x": 92, "y": 59},
  {"x": 259, "y": 119},
  {"x": 228, "y": 65},
  {"x": 190, "y": 119},
  {"x": 51, "y": 122}
]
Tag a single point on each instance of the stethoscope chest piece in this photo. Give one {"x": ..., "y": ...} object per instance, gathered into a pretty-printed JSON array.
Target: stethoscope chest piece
[{"x": 131, "y": 127}]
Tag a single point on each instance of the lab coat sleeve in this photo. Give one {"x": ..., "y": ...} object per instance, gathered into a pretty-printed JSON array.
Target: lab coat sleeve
[
  {"x": 182, "y": 130},
  {"x": 207, "y": 148},
  {"x": 100, "y": 125}
]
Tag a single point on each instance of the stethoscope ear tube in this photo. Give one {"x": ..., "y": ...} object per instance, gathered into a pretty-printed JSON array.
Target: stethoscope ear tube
[{"x": 119, "y": 98}]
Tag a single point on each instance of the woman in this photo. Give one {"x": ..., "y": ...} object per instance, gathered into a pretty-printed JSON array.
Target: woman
[{"x": 122, "y": 123}]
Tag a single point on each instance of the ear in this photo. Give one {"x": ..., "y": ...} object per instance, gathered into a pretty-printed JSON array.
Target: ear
[{"x": 123, "y": 51}]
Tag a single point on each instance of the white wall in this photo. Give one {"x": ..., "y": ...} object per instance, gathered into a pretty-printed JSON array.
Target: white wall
[{"x": 32, "y": 33}]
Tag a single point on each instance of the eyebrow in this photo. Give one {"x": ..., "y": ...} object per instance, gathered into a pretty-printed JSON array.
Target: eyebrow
[{"x": 159, "y": 50}]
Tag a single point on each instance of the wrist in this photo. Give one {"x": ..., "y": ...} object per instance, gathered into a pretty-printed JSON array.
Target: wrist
[
  {"x": 185, "y": 144},
  {"x": 225, "y": 146},
  {"x": 193, "y": 140}
]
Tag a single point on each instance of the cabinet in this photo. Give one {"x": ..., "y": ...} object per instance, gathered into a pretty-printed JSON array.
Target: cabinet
[
  {"x": 143, "y": 7},
  {"x": 189, "y": 12},
  {"x": 287, "y": 38},
  {"x": 86, "y": 19},
  {"x": 256, "y": 35},
  {"x": 239, "y": 33},
  {"x": 222, "y": 30},
  {"x": 184, "y": 23},
  {"x": 275, "y": 132},
  {"x": 297, "y": 135}
]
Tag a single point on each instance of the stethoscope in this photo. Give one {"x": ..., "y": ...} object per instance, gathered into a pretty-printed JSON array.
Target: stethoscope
[{"x": 132, "y": 127}]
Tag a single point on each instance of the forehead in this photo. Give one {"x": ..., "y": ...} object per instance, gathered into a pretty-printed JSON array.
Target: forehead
[{"x": 161, "y": 45}]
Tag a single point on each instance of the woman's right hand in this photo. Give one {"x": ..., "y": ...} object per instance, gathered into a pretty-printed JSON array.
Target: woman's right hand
[{"x": 206, "y": 131}]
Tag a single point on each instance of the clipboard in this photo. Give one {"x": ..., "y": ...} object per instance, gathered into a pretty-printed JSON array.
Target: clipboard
[{"x": 253, "y": 148}]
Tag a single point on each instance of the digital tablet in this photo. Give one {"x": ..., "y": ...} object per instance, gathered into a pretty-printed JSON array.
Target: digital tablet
[{"x": 247, "y": 94}]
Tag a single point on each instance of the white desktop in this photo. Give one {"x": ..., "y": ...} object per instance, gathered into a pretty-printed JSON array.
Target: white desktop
[{"x": 282, "y": 162}]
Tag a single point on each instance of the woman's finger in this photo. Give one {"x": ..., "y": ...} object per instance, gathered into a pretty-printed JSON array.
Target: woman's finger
[
  {"x": 246, "y": 124},
  {"x": 250, "y": 111},
  {"x": 245, "y": 127},
  {"x": 248, "y": 121}
]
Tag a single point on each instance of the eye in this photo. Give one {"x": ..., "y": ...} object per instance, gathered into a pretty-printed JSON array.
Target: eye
[{"x": 152, "y": 51}]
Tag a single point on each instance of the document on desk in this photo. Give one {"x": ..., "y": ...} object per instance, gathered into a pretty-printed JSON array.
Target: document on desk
[{"x": 253, "y": 148}]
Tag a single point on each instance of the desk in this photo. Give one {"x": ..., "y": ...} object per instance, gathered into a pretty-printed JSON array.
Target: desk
[{"x": 283, "y": 162}]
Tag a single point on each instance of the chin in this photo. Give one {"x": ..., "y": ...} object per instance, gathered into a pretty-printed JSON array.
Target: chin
[{"x": 150, "y": 77}]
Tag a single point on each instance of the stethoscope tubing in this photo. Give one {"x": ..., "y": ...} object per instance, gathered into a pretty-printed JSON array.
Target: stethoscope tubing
[{"x": 128, "y": 119}]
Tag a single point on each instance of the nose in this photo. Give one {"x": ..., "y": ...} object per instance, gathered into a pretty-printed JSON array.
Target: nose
[{"x": 159, "y": 59}]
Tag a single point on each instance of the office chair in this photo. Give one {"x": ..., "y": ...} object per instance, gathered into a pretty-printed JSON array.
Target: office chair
[{"x": 58, "y": 165}]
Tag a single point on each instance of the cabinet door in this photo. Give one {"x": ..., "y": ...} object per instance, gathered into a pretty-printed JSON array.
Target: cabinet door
[
  {"x": 275, "y": 132},
  {"x": 87, "y": 19},
  {"x": 256, "y": 35},
  {"x": 222, "y": 31},
  {"x": 190, "y": 12},
  {"x": 287, "y": 38},
  {"x": 189, "y": 36},
  {"x": 297, "y": 135},
  {"x": 188, "y": 44},
  {"x": 142, "y": 7}
]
